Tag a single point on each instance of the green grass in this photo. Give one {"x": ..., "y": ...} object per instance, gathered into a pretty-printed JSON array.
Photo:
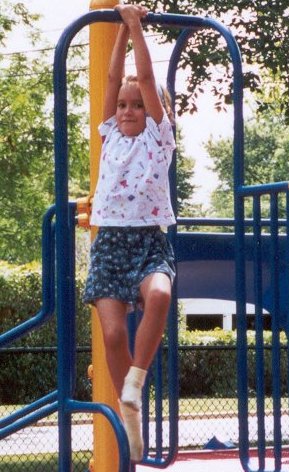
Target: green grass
[
  {"x": 187, "y": 406},
  {"x": 221, "y": 406},
  {"x": 6, "y": 410},
  {"x": 42, "y": 462}
]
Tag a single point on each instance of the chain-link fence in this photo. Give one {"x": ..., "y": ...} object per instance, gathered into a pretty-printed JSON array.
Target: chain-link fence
[{"x": 207, "y": 405}]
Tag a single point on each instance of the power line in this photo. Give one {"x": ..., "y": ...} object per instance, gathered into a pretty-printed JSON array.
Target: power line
[
  {"x": 35, "y": 74},
  {"x": 80, "y": 69},
  {"x": 28, "y": 51},
  {"x": 52, "y": 48}
]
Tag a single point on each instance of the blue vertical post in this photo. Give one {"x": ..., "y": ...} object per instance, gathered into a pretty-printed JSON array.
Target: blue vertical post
[
  {"x": 287, "y": 276},
  {"x": 259, "y": 329},
  {"x": 64, "y": 245},
  {"x": 275, "y": 317},
  {"x": 62, "y": 257}
]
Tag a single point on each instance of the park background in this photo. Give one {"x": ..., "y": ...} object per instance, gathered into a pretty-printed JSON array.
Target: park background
[{"x": 27, "y": 187}]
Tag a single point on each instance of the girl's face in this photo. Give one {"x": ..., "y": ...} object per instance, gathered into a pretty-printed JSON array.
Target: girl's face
[{"x": 130, "y": 112}]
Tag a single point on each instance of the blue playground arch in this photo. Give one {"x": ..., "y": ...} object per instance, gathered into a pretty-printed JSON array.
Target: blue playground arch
[{"x": 254, "y": 268}]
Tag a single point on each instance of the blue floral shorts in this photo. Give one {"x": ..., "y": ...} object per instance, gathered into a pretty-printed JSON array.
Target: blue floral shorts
[{"x": 121, "y": 257}]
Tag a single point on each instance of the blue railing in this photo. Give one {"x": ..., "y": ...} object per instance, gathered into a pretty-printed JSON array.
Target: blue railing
[
  {"x": 48, "y": 282},
  {"x": 278, "y": 255}
]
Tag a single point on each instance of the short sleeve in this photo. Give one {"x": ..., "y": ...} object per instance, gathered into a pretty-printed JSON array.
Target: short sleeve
[
  {"x": 162, "y": 132},
  {"x": 105, "y": 127}
]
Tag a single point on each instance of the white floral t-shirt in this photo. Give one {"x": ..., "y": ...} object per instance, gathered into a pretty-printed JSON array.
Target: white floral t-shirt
[{"x": 133, "y": 185}]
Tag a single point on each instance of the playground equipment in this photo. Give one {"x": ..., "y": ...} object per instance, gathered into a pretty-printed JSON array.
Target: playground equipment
[{"x": 215, "y": 248}]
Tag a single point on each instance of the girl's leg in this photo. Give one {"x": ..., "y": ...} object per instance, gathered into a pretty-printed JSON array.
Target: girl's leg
[
  {"x": 113, "y": 319},
  {"x": 156, "y": 293}
]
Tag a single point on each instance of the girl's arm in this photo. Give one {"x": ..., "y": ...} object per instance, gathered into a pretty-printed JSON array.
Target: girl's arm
[
  {"x": 115, "y": 72},
  {"x": 131, "y": 15}
]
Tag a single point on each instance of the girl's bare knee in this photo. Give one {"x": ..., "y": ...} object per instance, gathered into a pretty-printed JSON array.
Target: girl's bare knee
[
  {"x": 159, "y": 296},
  {"x": 114, "y": 338}
]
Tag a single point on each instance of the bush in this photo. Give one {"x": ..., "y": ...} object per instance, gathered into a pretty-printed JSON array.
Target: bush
[
  {"x": 27, "y": 376},
  {"x": 209, "y": 367}
]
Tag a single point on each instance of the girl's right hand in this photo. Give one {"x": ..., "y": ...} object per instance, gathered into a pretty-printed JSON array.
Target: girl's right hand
[{"x": 131, "y": 13}]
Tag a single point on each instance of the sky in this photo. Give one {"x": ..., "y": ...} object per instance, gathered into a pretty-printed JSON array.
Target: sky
[{"x": 57, "y": 14}]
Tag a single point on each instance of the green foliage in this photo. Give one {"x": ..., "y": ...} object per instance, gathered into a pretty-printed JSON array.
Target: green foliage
[
  {"x": 12, "y": 15},
  {"x": 211, "y": 371},
  {"x": 26, "y": 142},
  {"x": 218, "y": 337},
  {"x": 261, "y": 29},
  {"x": 42, "y": 462},
  {"x": 185, "y": 174},
  {"x": 27, "y": 376},
  {"x": 266, "y": 160}
]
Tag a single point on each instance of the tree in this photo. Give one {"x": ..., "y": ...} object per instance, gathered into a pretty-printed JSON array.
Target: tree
[
  {"x": 261, "y": 29},
  {"x": 12, "y": 15},
  {"x": 185, "y": 174},
  {"x": 266, "y": 159},
  {"x": 26, "y": 143}
]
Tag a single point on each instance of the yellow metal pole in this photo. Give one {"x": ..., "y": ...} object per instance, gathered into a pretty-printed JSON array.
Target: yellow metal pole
[{"x": 102, "y": 38}]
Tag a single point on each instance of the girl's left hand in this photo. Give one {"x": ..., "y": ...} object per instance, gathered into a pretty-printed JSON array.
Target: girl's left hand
[{"x": 130, "y": 13}]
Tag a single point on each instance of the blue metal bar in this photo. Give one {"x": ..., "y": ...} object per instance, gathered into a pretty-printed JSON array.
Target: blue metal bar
[
  {"x": 273, "y": 190},
  {"x": 48, "y": 298},
  {"x": 51, "y": 397},
  {"x": 72, "y": 319},
  {"x": 287, "y": 282},
  {"x": 28, "y": 420},
  {"x": 287, "y": 277},
  {"x": 146, "y": 414},
  {"x": 275, "y": 316},
  {"x": 238, "y": 161},
  {"x": 159, "y": 402},
  {"x": 250, "y": 190},
  {"x": 62, "y": 248},
  {"x": 173, "y": 381},
  {"x": 259, "y": 332},
  {"x": 74, "y": 406},
  {"x": 62, "y": 245},
  {"x": 240, "y": 270},
  {"x": 225, "y": 221}
]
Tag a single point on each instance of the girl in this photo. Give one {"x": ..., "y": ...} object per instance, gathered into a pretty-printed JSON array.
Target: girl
[{"x": 131, "y": 259}]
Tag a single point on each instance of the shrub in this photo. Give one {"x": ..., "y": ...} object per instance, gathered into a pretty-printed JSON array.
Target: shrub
[
  {"x": 209, "y": 366},
  {"x": 27, "y": 376}
]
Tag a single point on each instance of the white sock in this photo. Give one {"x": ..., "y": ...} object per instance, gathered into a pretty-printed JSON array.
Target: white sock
[
  {"x": 132, "y": 425},
  {"x": 132, "y": 388}
]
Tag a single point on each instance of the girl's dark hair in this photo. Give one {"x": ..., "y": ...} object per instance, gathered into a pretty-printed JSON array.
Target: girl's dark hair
[{"x": 163, "y": 94}]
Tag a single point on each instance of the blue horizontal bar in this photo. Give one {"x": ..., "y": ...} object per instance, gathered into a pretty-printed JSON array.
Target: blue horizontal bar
[
  {"x": 274, "y": 187},
  {"x": 51, "y": 397},
  {"x": 15, "y": 333},
  {"x": 182, "y": 221},
  {"x": 28, "y": 420},
  {"x": 158, "y": 463}
]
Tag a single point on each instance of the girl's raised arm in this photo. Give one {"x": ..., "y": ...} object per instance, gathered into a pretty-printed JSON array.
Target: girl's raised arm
[
  {"x": 115, "y": 72},
  {"x": 131, "y": 15}
]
